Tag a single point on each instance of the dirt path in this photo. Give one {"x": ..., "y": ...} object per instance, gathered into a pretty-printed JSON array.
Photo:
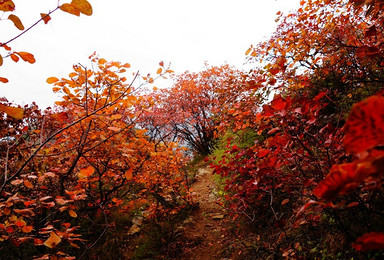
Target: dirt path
[{"x": 205, "y": 228}]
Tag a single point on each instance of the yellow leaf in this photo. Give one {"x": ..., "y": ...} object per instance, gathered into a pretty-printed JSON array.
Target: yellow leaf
[
  {"x": 46, "y": 18},
  {"x": 15, "y": 112},
  {"x": 7, "y": 6},
  {"x": 83, "y": 6},
  {"x": 28, "y": 184},
  {"x": 52, "y": 80},
  {"x": 26, "y": 56},
  {"x": 69, "y": 8},
  {"x": 27, "y": 229},
  {"x": 16, "y": 21},
  {"x": 86, "y": 172},
  {"x": 159, "y": 70},
  {"x": 53, "y": 240},
  {"x": 1, "y": 60},
  {"x": 72, "y": 213},
  {"x": 128, "y": 174}
]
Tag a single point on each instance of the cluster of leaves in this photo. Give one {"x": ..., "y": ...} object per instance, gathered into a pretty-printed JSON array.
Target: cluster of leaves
[
  {"x": 8, "y": 6},
  {"x": 301, "y": 184},
  {"x": 80, "y": 161},
  {"x": 192, "y": 109}
]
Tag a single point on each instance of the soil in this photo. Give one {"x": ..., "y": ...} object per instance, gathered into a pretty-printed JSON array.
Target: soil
[{"x": 205, "y": 229}]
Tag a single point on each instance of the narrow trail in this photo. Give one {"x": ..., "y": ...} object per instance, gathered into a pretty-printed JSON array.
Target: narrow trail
[{"x": 205, "y": 228}]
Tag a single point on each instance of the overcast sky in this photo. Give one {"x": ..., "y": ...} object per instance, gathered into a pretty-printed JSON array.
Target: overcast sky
[{"x": 140, "y": 32}]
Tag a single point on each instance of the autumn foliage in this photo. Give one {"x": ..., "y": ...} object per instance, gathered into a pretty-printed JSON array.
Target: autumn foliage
[{"x": 296, "y": 143}]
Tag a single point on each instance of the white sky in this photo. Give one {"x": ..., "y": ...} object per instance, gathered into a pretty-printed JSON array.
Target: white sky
[{"x": 140, "y": 32}]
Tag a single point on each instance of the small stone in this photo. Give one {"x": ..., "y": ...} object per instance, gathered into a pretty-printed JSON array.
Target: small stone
[
  {"x": 188, "y": 221},
  {"x": 134, "y": 229},
  {"x": 138, "y": 221},
  {"x": 218, "y": 216}
]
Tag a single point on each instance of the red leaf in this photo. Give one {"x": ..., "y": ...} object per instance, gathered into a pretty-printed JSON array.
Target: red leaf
[
  {"x": 370, "y": 241},
  {"x": 46, "y": 18},
  {"x": 342, "y": 178},
  {"x": 365, "y": 125},
  {"x": 371, "y": 31}
]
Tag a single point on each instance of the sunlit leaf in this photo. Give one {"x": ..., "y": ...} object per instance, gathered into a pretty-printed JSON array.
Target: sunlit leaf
[
  {"x": 16, "y": 21},
  {"x": 72, "y": 213},
  {"x": 15, "y": 112},
  {"x": 53, "y": 240},
  {"x": 83, "y": 6},
  {"x": 86, "y": 172},
  {"x": 116, "y": 117},
  {"x": 52, "y": 80},
  {"x": 26, "y": 56},
  {"x": 69, "y": 8},
  {"x": 113, "y": 128},
  {"x": 128, "y": 174},
  {"x": 159, "y": 70},
  {"x": 102, "y": 61}
]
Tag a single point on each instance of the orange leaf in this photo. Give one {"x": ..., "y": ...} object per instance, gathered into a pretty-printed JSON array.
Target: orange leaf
[
  {"x": 128, "y": 174},
  {"x": 83, "y": 6},
  {"x": 27, "y": 229},
  {"x": 159, "y": 70},
  {"x": 4, "y": 80},
  {"x": 72, "y": 213},
  {"x": 1, "y": 60},
  {"x": 7, "y": 6},
  {"x": 115, "y": 129},
  {"x": 14, "y": 57},
  {"x": 52, "y": 80},
  {"x": 28, "y": 184},
  {"x": 116, "y": 117},
  {"x": 26, "y": 56},
  {"x": 102, "y": 61},
  {"x": 15, "y": 112},
  {"x": 151, "y": 80},
  {"x": 370, "y": 241},
  {"x": 86, "y": 172},
  {"x": 284, "y": 201},
  {"x": 46, "y": 18},
  {"x": 16, "y": 21},
  {"x": 53, "y": 240},
  {"x": 365, "y": 125},
  {"x": 69, "y": 8}
]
